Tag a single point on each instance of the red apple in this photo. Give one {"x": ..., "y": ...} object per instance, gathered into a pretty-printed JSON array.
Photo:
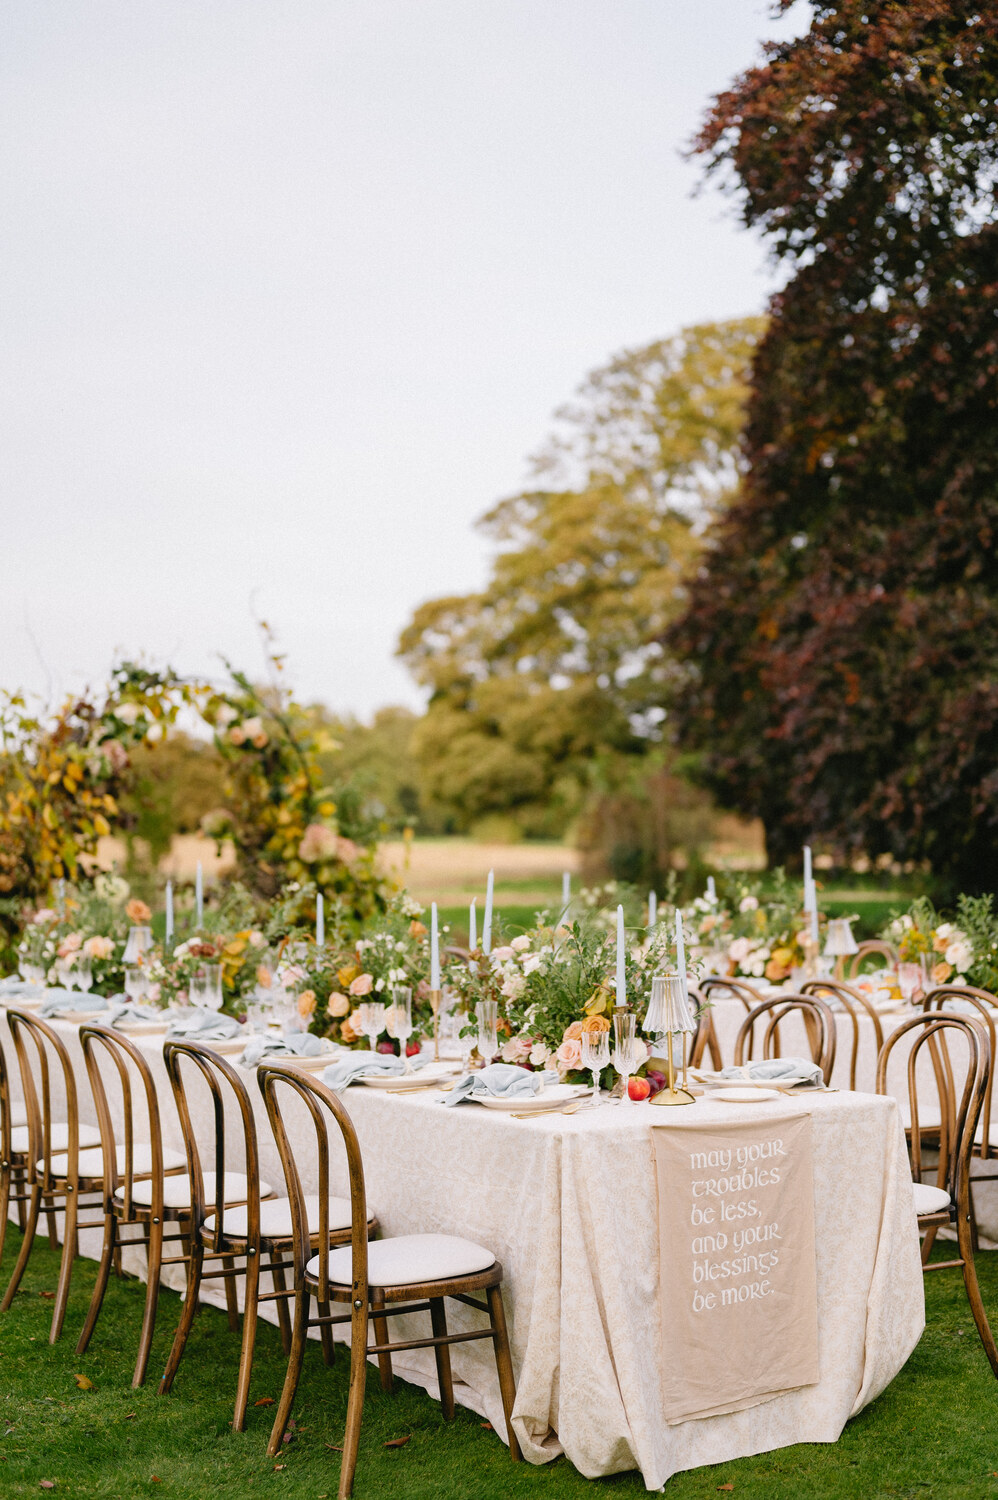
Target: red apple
[{"x": 638, "y": 1088}]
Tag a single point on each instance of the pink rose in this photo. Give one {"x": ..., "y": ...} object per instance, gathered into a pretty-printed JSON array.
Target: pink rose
[
  {"x": 362, "y": 985},
  {"x": 70, "y": 943},
  {"x": 573, "y": 1032}
]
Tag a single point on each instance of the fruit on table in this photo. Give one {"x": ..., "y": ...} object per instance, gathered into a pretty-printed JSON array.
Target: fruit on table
[{"x": 638, "y": 1088}]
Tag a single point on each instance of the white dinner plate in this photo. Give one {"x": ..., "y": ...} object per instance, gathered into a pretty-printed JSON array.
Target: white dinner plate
[
  {"x": 433, "y": 1073},
  {"x": 227, "y": 1045},
  {"x": 714, "y": 1080},
  {"x": 78, "y": 1016},
  {"x": 142, "y": 1028},
  {"x": 548, "y": 1098},
  {"x": 310, "y": 1064},
  {"x": 744, "y": 1096}
]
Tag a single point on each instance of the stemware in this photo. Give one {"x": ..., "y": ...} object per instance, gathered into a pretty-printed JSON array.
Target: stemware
[
  {"x": 32, "y": 973},
  {"x": 136, "y": 984},
  {"x": 83, "y": 969},
  {"x": 487, "y": 1016},
  {"x": 399, "y": 1021},
  {"x": 370, "y": 1018},
  {"x": 211, "y": 994},
  {"x": 624, "y": 1039},
  {"x": 595, "y": 1056}
]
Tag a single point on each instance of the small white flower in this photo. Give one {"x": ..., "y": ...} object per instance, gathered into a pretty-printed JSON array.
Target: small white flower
[
  {"x": 520, "y": 944},
  {"x": 748, "y": 903},
  {"x": 539, "y": 1054}
]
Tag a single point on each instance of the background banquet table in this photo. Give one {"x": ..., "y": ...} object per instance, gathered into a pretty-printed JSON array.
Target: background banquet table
[{"x": 568, "y": 1205}]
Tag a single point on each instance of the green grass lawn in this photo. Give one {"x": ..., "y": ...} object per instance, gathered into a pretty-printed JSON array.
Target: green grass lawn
[{"x": 934, "y": 1432}]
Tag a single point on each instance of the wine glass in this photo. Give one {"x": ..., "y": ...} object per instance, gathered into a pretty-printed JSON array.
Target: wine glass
[
  {"x": 624, "y": 1024},
  {"x": 211, "y": 993},
  {"x": 595, "y": 1056},
  {"x": 136, "y": 985},
  {"x": 487, "y": 1015},
  {"x": 84, "y": 970},
  {"x": 64, "y": 967},
  {"x": 32, "y": 973},
  {"x": 399, "y": 1021},
  {"x": 140, "y": 940},
  {"x": 370, "y": 1018}
]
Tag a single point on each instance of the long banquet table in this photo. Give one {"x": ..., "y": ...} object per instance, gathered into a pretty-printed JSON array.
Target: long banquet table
[{"x": 568, "y": 1204}]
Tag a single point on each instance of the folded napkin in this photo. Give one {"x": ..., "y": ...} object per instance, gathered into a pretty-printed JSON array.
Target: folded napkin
[
  {"x": 772, "y": 1069},
  {"x": 356, "y": 1064},
  {"x": 202, "y": 1025},
  {"x": 499, "y": 1081},
  {"x": 56, "y": 1001},
  {"x": 14, "y": 985},
  {"x": 291, "y": 1044},
  {"x": 120, "y": 1009}
]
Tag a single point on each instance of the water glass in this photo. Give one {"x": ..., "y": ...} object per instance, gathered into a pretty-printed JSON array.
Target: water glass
[
  {"x": 258, "y": 1008},
  {"x": 595, "y": 1047},
  {"x": 624, "y": 1024},
  {"x": 32, "y": 973},
  {"x": 369, "y": 1020},
  {"x": 83, "y": 969},
  {"x": 487, "y": 1016},
  {"x": 399, "y": 1022},
  {"x": 139, "y": 942}
]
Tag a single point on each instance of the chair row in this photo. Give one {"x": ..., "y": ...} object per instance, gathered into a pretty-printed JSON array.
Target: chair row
[{"x": 193, "y": 1210}]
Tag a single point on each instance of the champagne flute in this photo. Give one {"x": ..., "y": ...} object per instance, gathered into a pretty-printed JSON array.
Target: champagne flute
[
  {"x": 595, "y": 1056},
  {"x": 624, "y": 1023},
  {"x": 135, "y": 985},
  {"x": 370, "y": 1017},
  {"x": 399, "y": 1021},
  {"x": 487, "y": 1015}
]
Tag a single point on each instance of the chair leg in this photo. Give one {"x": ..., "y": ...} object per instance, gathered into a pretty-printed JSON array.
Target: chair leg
[
  {"x": 974, "y": 1294},
  {"x": 100, "y": 1285},
  {"x": 355, "y": 1400},
  {"x": 438, "y": 1318},
  {"x": 154, "y": 1262},
  {"x": 5, "y": 1180},
  {"x": 250, "y": 1305},
  {"x": 326, "y": 1336},
  {"x": 190, "y": 1307},
  {"x": 504, "y": 1365},
  {"x": 928, "y": 1240},
  {"x": 50, "y": 1221},
  {"x": 381, "y": 1337},
  {"x": 231, "y": 1298},
  {"x": 281, "y": 1303},
  {"x": 65, "y": 1265},
  {"x": 293, "y": 1374},
  {"x": 20, "y": 1177},
  {"x": 31, "y": 1224}
]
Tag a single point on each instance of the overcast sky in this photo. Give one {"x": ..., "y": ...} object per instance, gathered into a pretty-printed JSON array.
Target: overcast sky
[{"x": 289, "y": 292}]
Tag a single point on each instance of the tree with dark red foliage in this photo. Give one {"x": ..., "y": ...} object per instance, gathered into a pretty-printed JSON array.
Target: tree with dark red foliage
[{"x": 842, "y": 635}]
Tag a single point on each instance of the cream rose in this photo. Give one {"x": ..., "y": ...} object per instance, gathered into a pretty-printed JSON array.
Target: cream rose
[
  {"x": 569, "y": 1055},
  {"x": 362, "y": 985},
  {"x": 339, "y": 1004}
]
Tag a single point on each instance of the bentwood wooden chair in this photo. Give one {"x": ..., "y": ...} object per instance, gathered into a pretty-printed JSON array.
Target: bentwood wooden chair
[
  {"x": 715, "y": 987},
  {"x": 819, "y": 1027},
  {"x": 855, "y": 1005},
  {"x": 705, "y": 1040},
  {"x": 946, "y": 1203},
  {"x": 416, "y": 1272},
  {"x": 46, "y": 1151},
  {"x": 252, "y": 1224},
  {"x": 872, "y": 948},
  {"x": 13, "y": 1164},
  {"x": 140, "y": 1178},
  {"x": 982, "y": 1006}
]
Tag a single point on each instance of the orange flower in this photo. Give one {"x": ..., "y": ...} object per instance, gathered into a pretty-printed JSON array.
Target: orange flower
[
  {"x": 338, "y": 1004},
  {"x": 593, "y": 1025},
  {"x": 941, "y": 973},
  {"x": 136, "y": 911},
  {"x": 417, "y": 929},
  {"x": 347, "y": 1033},
  {"x": 306, "y": 1002}
]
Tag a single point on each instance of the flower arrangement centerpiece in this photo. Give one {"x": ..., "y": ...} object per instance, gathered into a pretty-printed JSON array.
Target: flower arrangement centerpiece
[
  {"x": 960, "y": 952},
  {"x": 749, "y": 931},
  {"x": 391, "y": 952}
]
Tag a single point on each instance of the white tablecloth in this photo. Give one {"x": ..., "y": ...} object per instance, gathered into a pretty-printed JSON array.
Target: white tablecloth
[{"x": 568, "y": 1205}]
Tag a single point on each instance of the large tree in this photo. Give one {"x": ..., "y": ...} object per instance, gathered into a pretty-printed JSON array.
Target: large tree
[
  {"x": 558, "y": 661},
  {"x": 842, "y": 634}
]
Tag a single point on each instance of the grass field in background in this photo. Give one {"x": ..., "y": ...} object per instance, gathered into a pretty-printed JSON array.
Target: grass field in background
[{"x": 933, "y": 1433}]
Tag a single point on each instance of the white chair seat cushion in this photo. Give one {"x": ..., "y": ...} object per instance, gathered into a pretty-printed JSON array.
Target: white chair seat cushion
[
  {"x": 275, "y": 1218},
  {"x": 177, "y": 1190},
  {"x": 929, "y": 1199},
  {"x": 89, "y": 1135},
  {"x": 408, "y": 1259},
  {"x": 92, "y": 1161}
]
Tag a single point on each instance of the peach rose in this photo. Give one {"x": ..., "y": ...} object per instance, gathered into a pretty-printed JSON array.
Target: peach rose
[
  {"x": 237, "y": 735},
  {"x": 70, "y": 943},
  {"x": 362, "y": 985},
  {"x": 569, "y": 1054},
  {"x": 347, "y": 1033},
  {"x": 593, "y": 1025},
  {"x": 417, "y": 929},
  {"x": 339, "y": 1004},
  {"x": 573, "y": 1032},
  {"x": 98, "y": 947},
  {"x": 941, "y": 973},
  {"x": 136, "y": 911},
  {"x": 306, "y": 1002}
]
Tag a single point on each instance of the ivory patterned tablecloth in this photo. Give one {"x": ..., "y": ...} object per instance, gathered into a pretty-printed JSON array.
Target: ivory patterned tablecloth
[{"x": 568, "y": 1205}]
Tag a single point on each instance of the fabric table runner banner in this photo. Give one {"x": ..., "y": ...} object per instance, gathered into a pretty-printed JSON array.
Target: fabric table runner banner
[{"x": 736, "y": 1244}]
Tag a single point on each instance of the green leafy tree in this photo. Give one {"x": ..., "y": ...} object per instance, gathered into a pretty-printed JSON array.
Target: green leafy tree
[
  {"x": 841, "y": 637},
  {"x": 558, "y": 662}
]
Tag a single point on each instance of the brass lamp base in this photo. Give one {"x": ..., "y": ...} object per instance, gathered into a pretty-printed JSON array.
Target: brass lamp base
[{"x": 673, "y": 1096}]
